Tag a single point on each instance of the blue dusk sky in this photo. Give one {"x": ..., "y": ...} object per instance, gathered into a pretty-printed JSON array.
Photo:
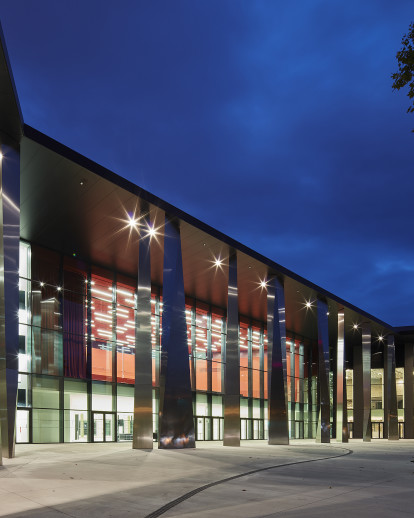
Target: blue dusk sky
[{"x": 274, "y": 122}]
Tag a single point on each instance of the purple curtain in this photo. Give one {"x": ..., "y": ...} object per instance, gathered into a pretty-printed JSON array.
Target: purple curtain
[{"x": 74, "y": 342}]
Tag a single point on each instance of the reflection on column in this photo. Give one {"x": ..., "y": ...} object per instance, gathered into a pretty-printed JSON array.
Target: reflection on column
[
  {"x": 341, "y": 410},
  {"x": 292, "y": 374},
  {"x": 366, "y": 381},
  {"x": 142, "y": 433},
  {"x": 176, "y": 425},
  {"x": 232, "y": 378},
  {"x": 9, "y": 294},
  {"x": 391, "y": 390},
  {"x": 408, "y": 392},
  {"x": 276, "y": 335},
  {"x": 324, "y": 424}
]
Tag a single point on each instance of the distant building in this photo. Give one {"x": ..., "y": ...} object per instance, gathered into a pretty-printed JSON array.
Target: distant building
[{"x": 123, "y": 318}]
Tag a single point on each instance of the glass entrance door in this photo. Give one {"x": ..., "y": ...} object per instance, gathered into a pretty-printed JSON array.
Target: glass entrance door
[
  {"x": 217, "y": 428},
  {"x": 22, "y": 426},
  {"x": 103, "y": 426},
  {"x": 377, "y": 430}
]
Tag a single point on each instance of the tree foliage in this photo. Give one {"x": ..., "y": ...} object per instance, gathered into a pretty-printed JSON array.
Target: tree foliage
[{"x": 405, "y": 74}]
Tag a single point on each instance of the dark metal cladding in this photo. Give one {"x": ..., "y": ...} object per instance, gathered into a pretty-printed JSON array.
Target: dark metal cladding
[
  {"x": 391, "y": 415},
  {"x": 231, "y": 435},
  {"x": 277, "y": 379},
  {"x": 176, "y": 425},
  {"x": 408, "y": 392},
  {"x": 324, "y": 425},
  {"x": 142, "y": 433},
  {"x": 9, "y": 294},
  {"x": 341, "y": 410},
  {"x": 366, "y": 381}
]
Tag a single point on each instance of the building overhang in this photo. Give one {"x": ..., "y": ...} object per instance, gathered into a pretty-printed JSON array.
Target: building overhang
[{"x": 75, "y": 206}]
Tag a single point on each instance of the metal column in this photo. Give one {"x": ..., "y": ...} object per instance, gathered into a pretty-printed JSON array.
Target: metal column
[
  {"x": 324, "y": 421},
  {"x": 142, "y": 431},
  {"x": 232, "y": 359},
  {"x": 341, "y": 410},
  {"x": 176, "y": 424},
  {"x": 408, "y": 392},
  {"x": 276, "y": 352},
  {"x": 9, "y": 293},
  {"x": 390, "y": 389},
  {"x": 366, "y": 381}
]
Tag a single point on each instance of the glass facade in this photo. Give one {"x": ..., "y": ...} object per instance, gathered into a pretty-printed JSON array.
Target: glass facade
[
  {"x": 77, "y": 358},
  {"x": 77, "y": 361}
]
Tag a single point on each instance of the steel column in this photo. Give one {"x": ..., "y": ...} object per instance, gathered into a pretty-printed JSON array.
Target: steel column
[
  {"x": 9, "y": 293},
  {"x": 366, "y": 381},
  {"x": 232, "y": 358},
  {"x": 324, "y": 420},
  {"x": 176, "y": 424},
  {"x": 142, "y": 431},
  {"x": 408, "y": 392},
  {"x": 341, "y": 410},
  {"x": 276, "y": 352},
  {"x": 390, "y": 391}
]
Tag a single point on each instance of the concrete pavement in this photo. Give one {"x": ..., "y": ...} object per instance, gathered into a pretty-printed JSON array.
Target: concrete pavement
[{"x": 112, "y": 480}]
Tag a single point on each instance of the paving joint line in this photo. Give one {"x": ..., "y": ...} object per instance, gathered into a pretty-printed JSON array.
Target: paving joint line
[{"x": 189, "y": 494}]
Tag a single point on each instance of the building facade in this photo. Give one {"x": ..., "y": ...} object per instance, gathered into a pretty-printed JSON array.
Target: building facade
[{"x": 123, "y": 318}]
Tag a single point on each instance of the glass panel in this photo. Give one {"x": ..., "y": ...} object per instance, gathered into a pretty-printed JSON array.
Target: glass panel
[
  {"x": 201, "y": 349},
  {"x": 45, "y": 392},
  {"x": 216, "y": 376},
  {"x": 75, "y": 395},
  {"x": 23, "y": 391},
  {"x": 76, "y": 425},
  {"x": 125, "y": 333},
  {"x": 125, "y": 399},
  {"x": 217, "y": 406},
  {"x": 256, "y": 409},
  {"x": 244, "y": 408},
  {"x": 102, "y": 397},
  {"x": 45, "y": 426},
  {"x": 125, "y": 427},
  {"x": 201, "y": 404}
]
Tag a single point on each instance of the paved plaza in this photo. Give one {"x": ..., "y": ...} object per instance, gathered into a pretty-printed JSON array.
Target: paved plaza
[{"x": 303, "y": 479}]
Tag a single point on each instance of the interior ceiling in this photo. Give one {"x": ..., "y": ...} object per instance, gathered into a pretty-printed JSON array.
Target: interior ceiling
[{"x": 71, "y": 209}]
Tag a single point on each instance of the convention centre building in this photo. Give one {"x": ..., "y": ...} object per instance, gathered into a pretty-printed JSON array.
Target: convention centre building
[{"x": 122, "y": 318}]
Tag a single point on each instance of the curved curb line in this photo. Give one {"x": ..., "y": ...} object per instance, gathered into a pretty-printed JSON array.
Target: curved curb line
[{"x": 188, "y": 495}]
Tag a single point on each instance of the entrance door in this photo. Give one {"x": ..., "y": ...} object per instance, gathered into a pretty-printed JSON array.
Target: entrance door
[
  {"x": 22, "y": 426},
  {"x": 200, "y": 428},
  {"x": 377, "y": 430},
  {"x": 255, "y": 428},
  {"x": 243, "y": 429},
  {"x": 217, "y": 428},
  {"x": 103, "y": 426},
  {"x": 299, "y": 430},
  {"x": 207, "y": 429}
]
